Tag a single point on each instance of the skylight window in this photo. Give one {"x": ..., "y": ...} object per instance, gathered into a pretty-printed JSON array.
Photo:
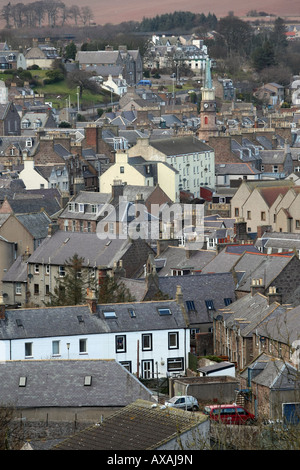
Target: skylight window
[
  {"x": 209, "y": 304},
  {"x": 22, "y": 381},
  {"x": 132, "y": 313},
  {"x": 164, "y": 311},
  {"x": 190, "y": 305},
  {"x": 88, "y": 380},
  {"x": 110, "y": 314}
]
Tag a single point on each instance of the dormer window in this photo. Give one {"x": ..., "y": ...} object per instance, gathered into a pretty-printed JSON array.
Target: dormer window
[
  {"x": 28, "y": 142},
  {"x": 25, "y": 124},
  {"x": 37, "y": 123}
]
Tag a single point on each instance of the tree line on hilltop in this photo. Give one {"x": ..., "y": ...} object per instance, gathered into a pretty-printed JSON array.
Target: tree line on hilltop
[{"x": 41, "y": 13}]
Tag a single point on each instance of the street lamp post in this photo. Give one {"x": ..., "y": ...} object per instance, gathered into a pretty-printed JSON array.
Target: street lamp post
[{"x": 78, "y": 92}]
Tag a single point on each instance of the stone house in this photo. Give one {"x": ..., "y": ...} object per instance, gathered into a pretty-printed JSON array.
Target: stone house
[
  {"x": 14, "y": 282},
  {"x": 13, "y": 147},
  {"x": 80, "y": 393},
  {"x": 272, "y": 94},
  {"x": 12, "y": 60},
  {"x": 278, "y": 336},
  {"x": 20, "y": 233},
  {"x": 101, "y": 255},
  {"x": 9, "y": 120},
  {"x": 42, "y": 55},
  {"x": 27, "y": 231},
  {"x": 82, "y": 212},
  {"x": 269, "y": 384},
  {"x": 227, "y": 172},
  {"x": 234, "y": 327},
  {"x": 126, "y": 62},
  {"x": 258, "y": 202},
  {"x": 277, "y": 162}
]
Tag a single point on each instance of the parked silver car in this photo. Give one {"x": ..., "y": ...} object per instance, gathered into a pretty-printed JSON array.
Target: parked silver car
[{"x": 184, "y": 402}]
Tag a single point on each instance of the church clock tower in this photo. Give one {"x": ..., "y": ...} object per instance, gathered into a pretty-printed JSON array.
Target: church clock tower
[{"x": 208, "y": 124}]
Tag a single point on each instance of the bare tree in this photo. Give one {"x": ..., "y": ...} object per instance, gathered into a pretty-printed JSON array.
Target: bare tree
[
  {"x": 82, "y": 79},
  {"x": 17, "y": 15},
  {"x": 74, "y": 11},
  {"x": 40, "y": 11},
  {"x": 6, "y": 14},
  {"x": 86, "y": 15}
]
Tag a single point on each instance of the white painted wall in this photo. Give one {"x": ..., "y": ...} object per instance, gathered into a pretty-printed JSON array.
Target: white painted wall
[
  {"x": 31, "y": 178},
  {"x": 102, "y": 346}
]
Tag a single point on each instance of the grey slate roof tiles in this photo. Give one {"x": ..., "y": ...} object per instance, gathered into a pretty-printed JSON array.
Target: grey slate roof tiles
[
  {"x": 63, "y": 321},
  {"x": 179, "y": 145},
  {"x": 60, "y": 383},
  {"x": 138, "y": 426}
]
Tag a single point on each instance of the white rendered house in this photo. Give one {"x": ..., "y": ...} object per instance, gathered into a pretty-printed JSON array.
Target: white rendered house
[{"x": 148, "y": 338}]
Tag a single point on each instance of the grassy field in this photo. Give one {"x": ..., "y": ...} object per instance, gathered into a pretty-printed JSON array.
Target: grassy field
[{"x": 59, "y": 93}]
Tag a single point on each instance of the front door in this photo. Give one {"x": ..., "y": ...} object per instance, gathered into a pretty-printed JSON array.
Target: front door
[{"x": 147, "y": 369}]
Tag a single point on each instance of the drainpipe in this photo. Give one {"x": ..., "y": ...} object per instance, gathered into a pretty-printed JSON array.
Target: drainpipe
[{"x": 186, "y": 392}]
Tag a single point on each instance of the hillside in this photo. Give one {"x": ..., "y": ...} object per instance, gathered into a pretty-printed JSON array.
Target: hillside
[{"x": 117, "y": 11}]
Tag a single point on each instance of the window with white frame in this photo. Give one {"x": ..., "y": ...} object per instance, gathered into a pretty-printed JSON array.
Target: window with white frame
[
  {"x": 173, "y": 340},
  {"x": 120, "y": 343},
  {"x": 147, "y": 342},
  {"x": 61, "y": 271},
  {"x": 18, "y": 289},
  {"x": 175, "y": 364},
  {"x": 36, "y": 269}
]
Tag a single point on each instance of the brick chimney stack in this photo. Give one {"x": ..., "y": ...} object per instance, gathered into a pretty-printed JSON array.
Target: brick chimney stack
[{"x": 91, "y": 300}]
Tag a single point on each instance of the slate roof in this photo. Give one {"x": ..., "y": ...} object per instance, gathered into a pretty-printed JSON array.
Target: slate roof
[
  {"x": 63, "y": 321},
  {"x": 87, "y": 198},
  {"x": 274, "y": 374},
  {"x": 17, "y": 272},
  {"x": 236, "y": 169},
  {"x": 138, "y": 426},
  {"x": 284, "y": 328},
  {"x": 260, "y": 266},
  {"x": 37, "y": 224},
  {"x": 273, "y": 157},
  {"x": 60, "y": 383},
  {"x": 248, "y": 312},
  {"x": 98, "y": 57},
  {"x": 179, "y": 145},
  {"x": 227, "y": 258},
  {"x": 279, "y": 240},
  {"x": 176, "y": 258},
  {"x": 200, "y": 288},
  {"x": 3, "y": 218},
  {"x": 25, "y": 204},
  {"x": 62, "y": 245}
]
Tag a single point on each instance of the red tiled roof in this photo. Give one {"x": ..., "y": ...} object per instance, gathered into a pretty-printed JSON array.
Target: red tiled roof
[{"x": 270, "y": 194}]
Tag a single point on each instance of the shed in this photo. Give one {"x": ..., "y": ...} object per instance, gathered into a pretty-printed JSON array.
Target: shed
[{"x": 220, "y": 368}]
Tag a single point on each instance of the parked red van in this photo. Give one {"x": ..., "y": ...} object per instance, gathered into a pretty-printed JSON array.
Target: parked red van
[{"x": 229, "y": 414}]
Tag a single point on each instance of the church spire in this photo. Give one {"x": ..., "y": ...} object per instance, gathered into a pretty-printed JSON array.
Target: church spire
[{"x": 208, "y": 80}]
